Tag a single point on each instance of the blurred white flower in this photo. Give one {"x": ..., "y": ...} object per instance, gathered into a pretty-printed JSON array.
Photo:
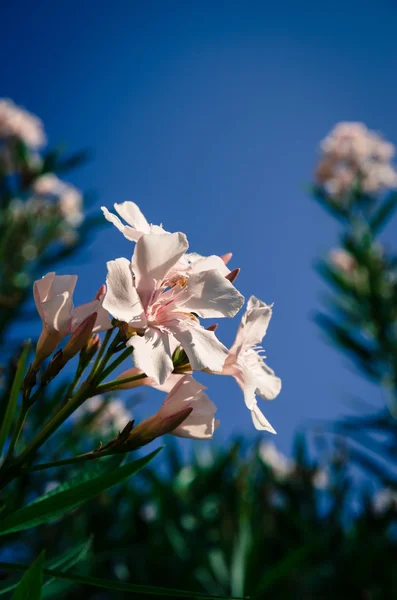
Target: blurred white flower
[
  {"x": 384, "y": 499},
  {"x": 68, "y": 197},
  {"x": 109, "y": 415},
  {"x": 281, "y": 465},
  {"x": 351, "y": 154},
  {"x": 15, "y": 122},
  {"x": 342, "y": 260},
  {"x": 321, "y": 479}
]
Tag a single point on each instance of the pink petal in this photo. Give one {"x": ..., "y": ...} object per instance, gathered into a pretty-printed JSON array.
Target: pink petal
[
  {"x": 152, "y": 354},
  {"x": 121, "y": 298}
]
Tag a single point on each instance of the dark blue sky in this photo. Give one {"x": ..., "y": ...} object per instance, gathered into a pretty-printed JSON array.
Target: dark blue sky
[{"x": 208, "y": 114}]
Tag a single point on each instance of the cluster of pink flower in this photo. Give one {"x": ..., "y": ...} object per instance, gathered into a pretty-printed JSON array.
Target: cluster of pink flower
[
  {"x": 17, "y": 124},
  {"x": 158, "y": 299},
  {"x": 353, "y": 155}
]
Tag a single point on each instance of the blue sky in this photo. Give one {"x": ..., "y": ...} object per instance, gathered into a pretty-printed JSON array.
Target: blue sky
[{"x": 208, "y": 115}]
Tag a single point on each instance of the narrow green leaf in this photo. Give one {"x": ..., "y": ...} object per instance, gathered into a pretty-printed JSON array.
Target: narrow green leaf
[
  {"x": 120, "y": 586},
  {"x": 64, "y": 561},
  {"x": 71, "y": 496},
  {"x": 13, "y": 399},
  {"x": 31, "y": 584},
  {"x": 383, "y": 214}
]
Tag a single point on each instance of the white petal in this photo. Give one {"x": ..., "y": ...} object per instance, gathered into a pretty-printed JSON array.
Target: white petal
[
  {"x": 132, "y": 214},
  {"x": 41, "y": 287},
  {"x": 256, "y": 320},
  {"x": 61, "y": 284},
  {"x": 121, "y": 298},
  {"x": 259, "y": 420},
  {"x": 128, "y": 232},
  {"x": 202, "y": 347},
  {"x": 207, "y": 263},
  {"x": 154, "y": 256},
  {"x": 188, "y": 393},
  {"x": 80, "y": 313},
  {"x": 57, "y": 313},
  {"x": 268, "y": 385},
  {"x": 210, "y": 295},
  {"x": 152, "y": 354}
]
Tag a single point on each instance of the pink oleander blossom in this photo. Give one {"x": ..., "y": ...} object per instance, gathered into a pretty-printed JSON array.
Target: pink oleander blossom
[
  {"x": 53, "y": 295},
  {"x": 147, "y": 294},
  {"x": 245, "y": 361}
]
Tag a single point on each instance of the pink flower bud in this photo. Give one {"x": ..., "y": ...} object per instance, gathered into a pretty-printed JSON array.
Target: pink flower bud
[
  {"x": 80, "y": 337},
  {"x": 226, "y": 257},
  {"x": 232, "y": 276}
]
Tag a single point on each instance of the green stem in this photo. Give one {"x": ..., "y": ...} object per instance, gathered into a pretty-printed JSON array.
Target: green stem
[
  {"x": 67, "y": 461},
  {"x": 100, "y": 352},
  {"x": 127, "y": 352},
  {"x": 48, "y": 429},
  {"x": 111, "y": 385}
]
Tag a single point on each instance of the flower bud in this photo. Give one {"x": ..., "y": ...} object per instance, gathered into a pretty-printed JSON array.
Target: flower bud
[
  {"x": 80, "y": 337},
  {"x": 154, "y": 427},
  {"x": 90, "y": 349},
  {"x": 213, "y": 327},
  {"x": 232, "y": 276},
  {"x": 101, "y": 292},
  {"x": 226, "y": 257}
]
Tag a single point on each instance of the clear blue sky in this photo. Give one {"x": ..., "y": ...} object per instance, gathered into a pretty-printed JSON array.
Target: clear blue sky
[{"x": 208, "y": 114}]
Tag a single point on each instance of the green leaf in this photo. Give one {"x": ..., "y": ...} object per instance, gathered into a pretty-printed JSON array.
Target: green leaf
[
  {"x": 383, "y": 214},
  {"x": 64, "y": 561},
  {"x": 71, "y": 495},
  {"x": 31, "y": 584},
  {"x": 120, "y": 586},
  {"x": 13, "y": 399}
]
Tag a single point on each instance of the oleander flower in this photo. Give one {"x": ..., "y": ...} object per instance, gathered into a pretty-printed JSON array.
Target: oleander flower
[
  {"x": 353, "y": 154},
  {"x": 107, "y": 415},
  {"x": 342, "y": 260},
  {"x": 68, "y": 198},
  {"x": 15, "y": 122},
  {"x": 281, "y": 465},
  {"x": 137, "y": 226},
  {"x": 163, "y": 310},
  {"x": 246, "y": 364},
  {"x": 187, "y": 405},
  {"x": 53, "y": 295}
]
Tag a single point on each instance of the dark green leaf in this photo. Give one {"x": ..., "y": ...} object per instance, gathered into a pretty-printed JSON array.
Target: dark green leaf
[
  {"x": 13, "y": 399},
  {"x": 63, "y": 562},
  {"x": 72, "y": 494},
  {"x": 31, "y": 584},
  {"x": 383, "y": 214}
]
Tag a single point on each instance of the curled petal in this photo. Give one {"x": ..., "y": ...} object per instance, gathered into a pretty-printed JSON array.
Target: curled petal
[
  {"x": 121, "y": 298},
  {"x": 200, "y": 423},
  {"x": 210, "y": 295},
  {"x": 259, "y": 420},
  {"x": 202, "y": 347}
]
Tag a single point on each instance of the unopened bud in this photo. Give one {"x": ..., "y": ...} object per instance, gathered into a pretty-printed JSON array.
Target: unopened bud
[
  {"x": 91, "y": 348},
  {"x": 101, "y": 292},
  {"x": 232, "y": 276},
  {"x": 213, "y": 327},
  {"x": 80, "y": 337},
  {"x": 153, "y": 427},
  {"x": 226, "y": 257},
  {"x": 57, "y": 363}
]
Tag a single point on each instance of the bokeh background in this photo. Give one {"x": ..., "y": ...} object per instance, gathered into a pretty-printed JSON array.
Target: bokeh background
[{"x": 208, "y": 115}]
